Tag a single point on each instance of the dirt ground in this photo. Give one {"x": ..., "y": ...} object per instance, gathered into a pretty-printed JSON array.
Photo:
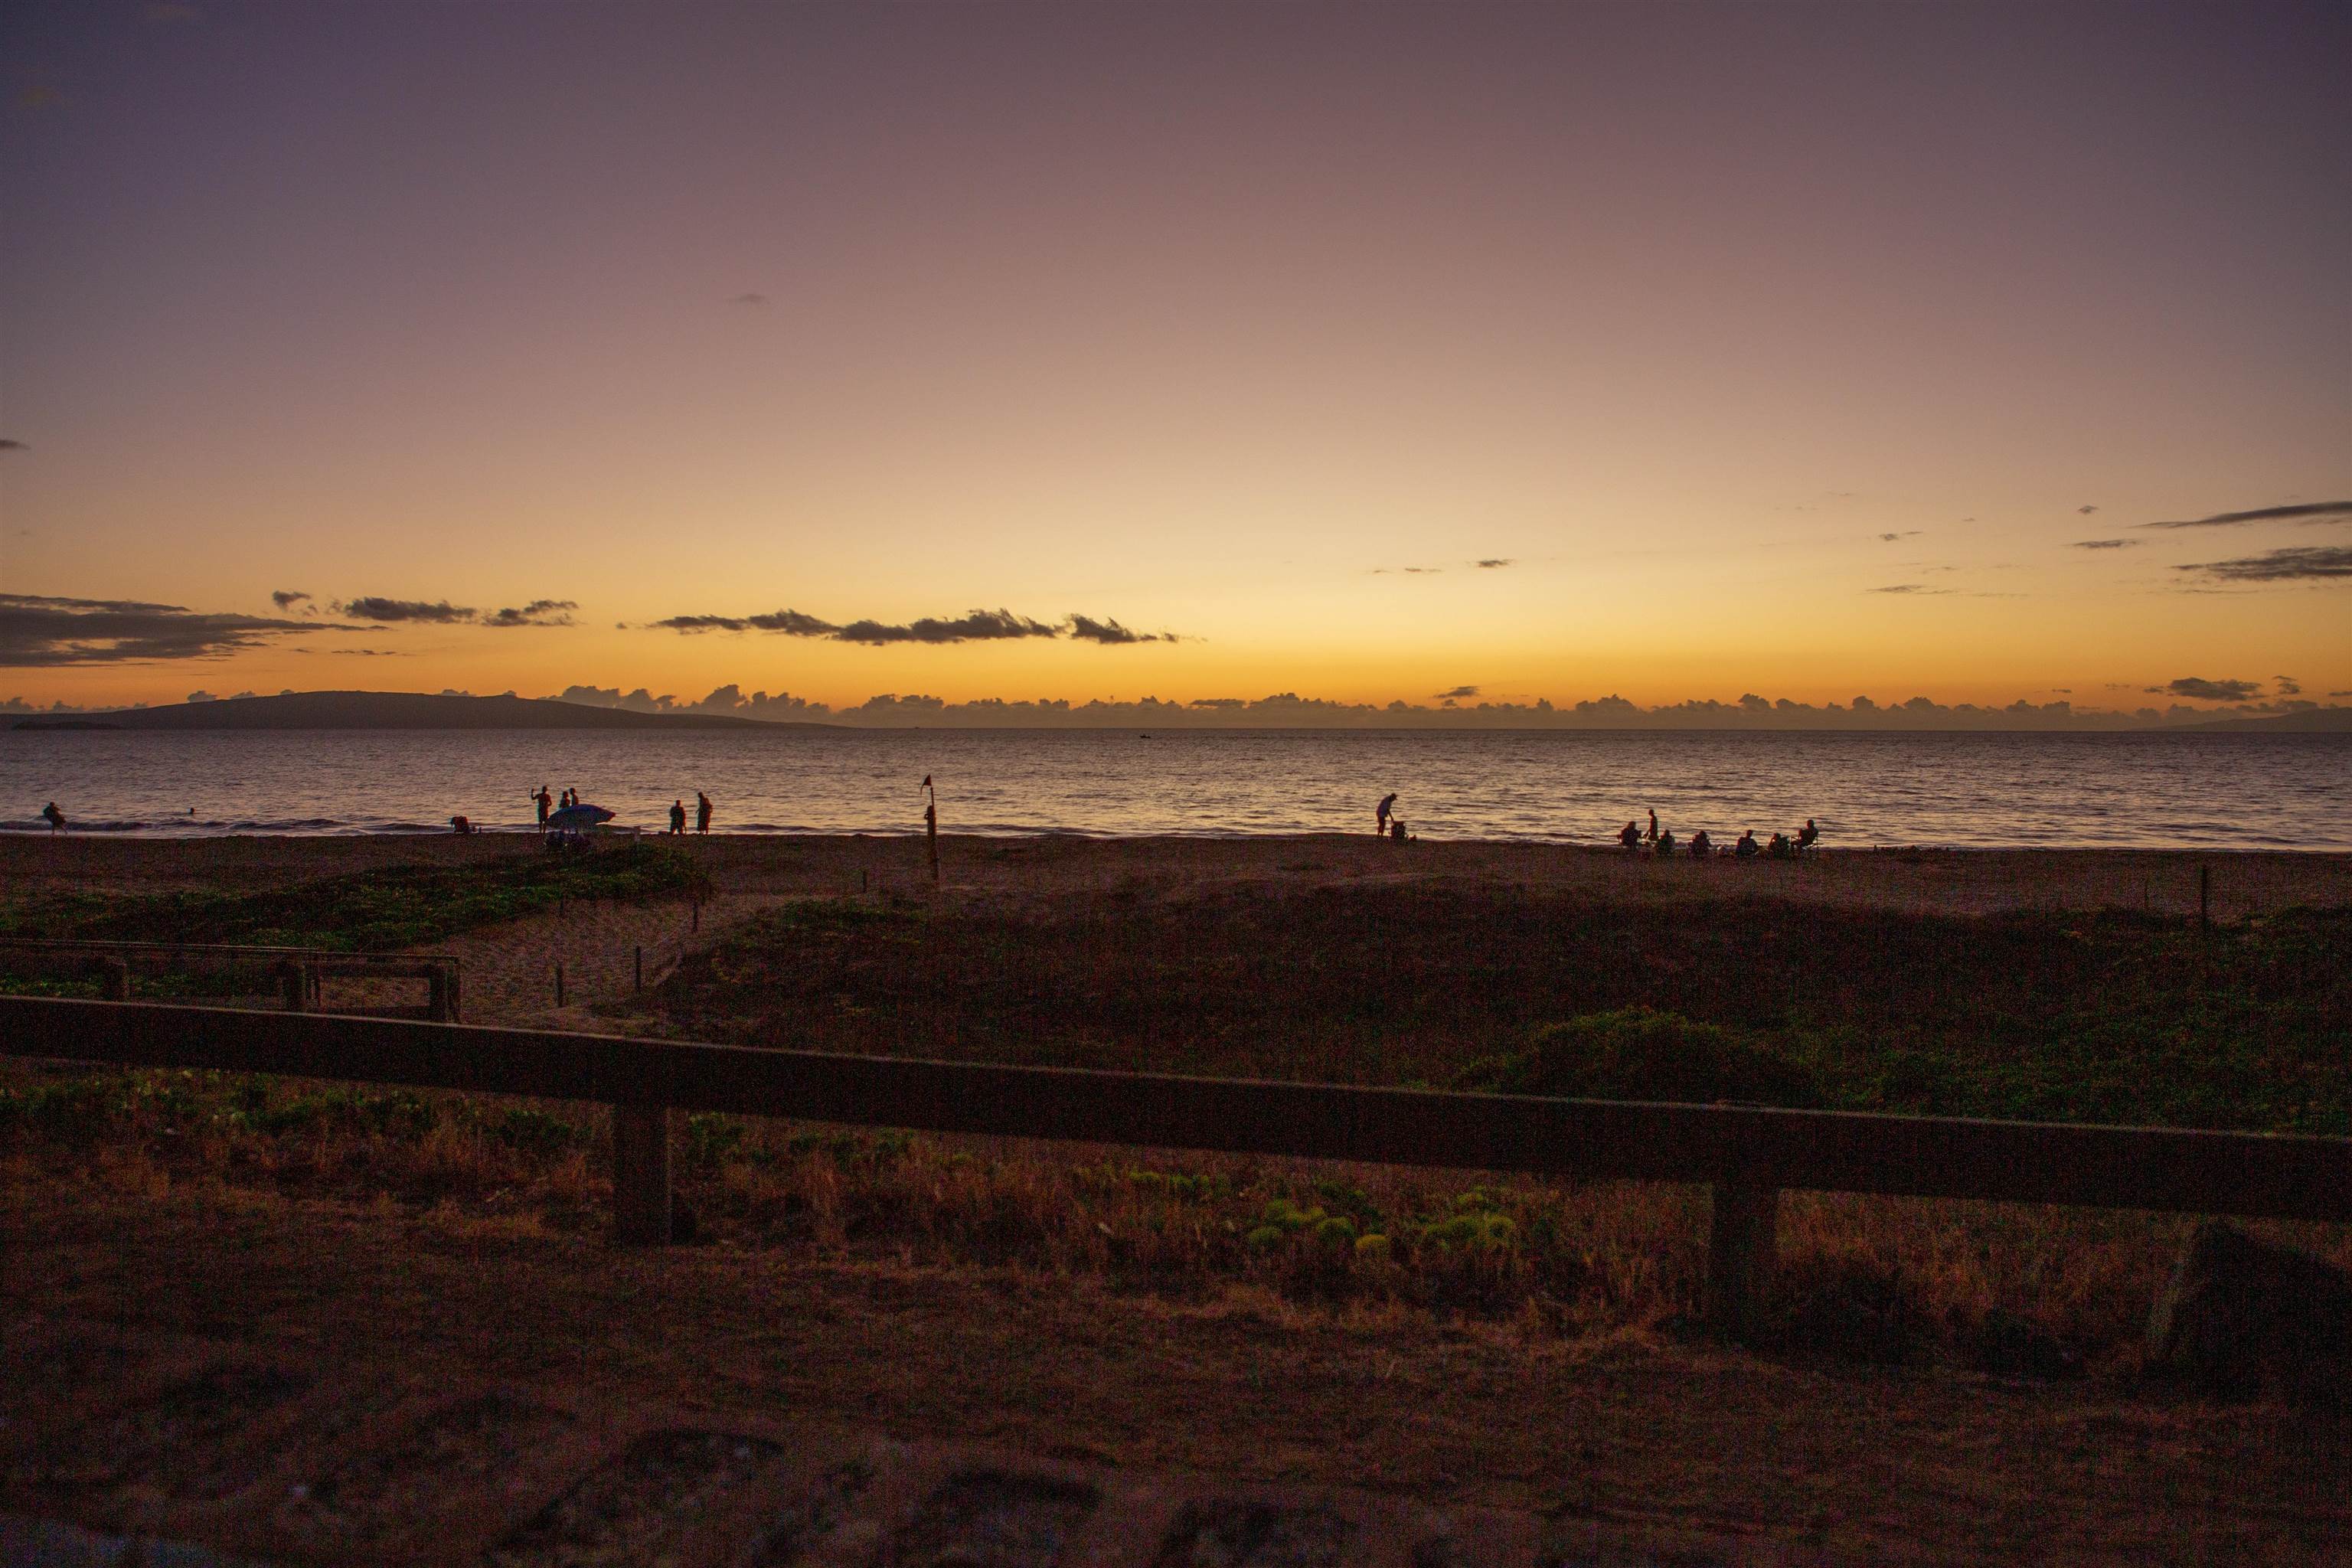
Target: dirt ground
[
  {"x": 1642, "y": 1435},
  {"x": 1647, "y": 1431}
]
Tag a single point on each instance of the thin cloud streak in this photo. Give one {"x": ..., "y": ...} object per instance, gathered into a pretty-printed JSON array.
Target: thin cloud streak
[
  {"x": 2293, "y": 563},
  {"x": 2315, "y": 511}
]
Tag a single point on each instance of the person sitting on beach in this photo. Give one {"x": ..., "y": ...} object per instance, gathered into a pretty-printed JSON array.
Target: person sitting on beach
[
  {"x": 1396, "y": 830},
  {"x": 1665, "y": 843},
  {"x": 1746, "y": 845},
  {"x": 54, "y": 817},
  {"x": 701, "y": 812},
  {"x": 460, "y": 825},
  {"x": 1701, "y": 846},
  {"x": 1631, "y": 838},
  {"x": 1807, "y": 833},
  {"x": 1779, "y": 849},
  {"x": 1381, "y": 813},
  {"x": 678, "y": 814}
]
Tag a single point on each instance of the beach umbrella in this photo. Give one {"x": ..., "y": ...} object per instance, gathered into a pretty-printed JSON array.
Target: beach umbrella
[{"x": 577, "y": 819}]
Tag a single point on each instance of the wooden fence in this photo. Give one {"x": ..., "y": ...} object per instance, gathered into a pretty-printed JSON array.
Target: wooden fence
[
  {"x": 297, "y": 971},
  {"x": 1747, "y": 1155}
]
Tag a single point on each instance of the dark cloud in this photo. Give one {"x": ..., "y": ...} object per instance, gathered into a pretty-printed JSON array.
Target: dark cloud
[
  {"x": 8, "y": 445},
  {"x": 2288, "y": 686},
  {"x": 2086, "y": 510},
  {"x": 538, "y": 612},
  {"x": 973, "y": 626},
  {"x": 2197, "y": 688},
  {"x": 1455, "y": 695},
  {"x": 1494, "y": 562},
  {"x": 2107, "y": 543},
  {"x": 1085, "y": 628},
  {"x": 749, "y": 301},
  {"x": 1909, "y": 588},
  {"x": 37, "y": 632},
  {"x": 792, "y": 623},
  {"x": 286, "y": 598},
  {"x": 1891, "y": 538},
  {"x": 2293, "y": 564},
  {"x": 375, "y": 607},
  {"x": 2315, "y": 511}
]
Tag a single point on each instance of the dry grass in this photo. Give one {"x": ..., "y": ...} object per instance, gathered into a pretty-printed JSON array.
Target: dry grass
[{"x": 1907, "y": 1281}]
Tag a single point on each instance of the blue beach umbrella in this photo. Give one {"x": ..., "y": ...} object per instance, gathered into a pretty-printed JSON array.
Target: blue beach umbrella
[{"x": 577, "y": 819}]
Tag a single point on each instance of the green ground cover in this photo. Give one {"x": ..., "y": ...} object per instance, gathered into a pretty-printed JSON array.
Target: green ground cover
[{"x": 2110, "y": 1016}]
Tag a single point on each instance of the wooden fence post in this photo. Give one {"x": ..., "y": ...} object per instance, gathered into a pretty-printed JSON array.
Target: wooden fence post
[
  {"x": 294, "y": 982},
  {"x": 114, "y": 979},
  {"x": 559, "y": 983},
  {"x": 641, "y": 1205},
  {"x": 436, "y": 997},
  {"x": 1739, "y": 1252}
]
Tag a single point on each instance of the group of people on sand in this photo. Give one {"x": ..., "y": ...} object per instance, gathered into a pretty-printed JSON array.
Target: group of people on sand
[
  {"x": 549, "y": 805},
  {"x": 1661, "y": 842}
]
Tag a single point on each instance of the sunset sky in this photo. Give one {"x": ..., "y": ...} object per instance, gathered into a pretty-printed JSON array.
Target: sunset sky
[{"x": 1368, "y": 353}]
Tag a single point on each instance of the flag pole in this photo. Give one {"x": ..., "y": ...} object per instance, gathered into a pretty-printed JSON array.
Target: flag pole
[{"x": 931, "y": 825}]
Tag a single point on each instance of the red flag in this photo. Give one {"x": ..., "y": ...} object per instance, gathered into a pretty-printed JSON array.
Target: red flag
[{"x": 927, "y": 780}]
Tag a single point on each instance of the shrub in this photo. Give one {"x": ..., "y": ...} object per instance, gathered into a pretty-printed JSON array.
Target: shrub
[
  {"x": 535, "y": 1132},
  {"x": 1640, "y": 1053}
]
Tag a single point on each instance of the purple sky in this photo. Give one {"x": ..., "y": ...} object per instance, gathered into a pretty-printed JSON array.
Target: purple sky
[{"x": 1776, "y": 348}]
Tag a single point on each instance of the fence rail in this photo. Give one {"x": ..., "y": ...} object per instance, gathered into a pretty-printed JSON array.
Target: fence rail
[{"x": 1747, "y": 1153}]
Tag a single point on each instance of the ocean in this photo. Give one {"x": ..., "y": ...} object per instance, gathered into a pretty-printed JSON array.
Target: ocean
[{"x": 1963, "y": 790}]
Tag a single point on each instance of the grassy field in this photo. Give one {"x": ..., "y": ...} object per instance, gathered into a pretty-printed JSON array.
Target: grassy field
[
  {"x": 2111, "y": 1016},
  {"x": 380, "y": 910}
]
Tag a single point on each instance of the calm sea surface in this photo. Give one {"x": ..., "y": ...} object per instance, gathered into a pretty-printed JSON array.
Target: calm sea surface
[{"x": 2151, "y": 790}]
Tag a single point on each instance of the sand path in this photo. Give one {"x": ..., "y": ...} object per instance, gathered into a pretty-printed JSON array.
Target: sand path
[{"x": 509, "y": 973}]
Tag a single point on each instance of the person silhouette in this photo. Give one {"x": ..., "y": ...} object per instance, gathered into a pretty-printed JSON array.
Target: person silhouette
[
  {"x": 701, "y": 812},
  {"x": 545, "y": 802},
  {"x": 1746, "y": 845},
  {"x": 1701, "y": 846},
  {"x": 1653, "y": 828},
  {"x": 678, "y": 814},
  {"x": 1807, "y": 833},
  {"x": 54, "y": 817},
  {"x": 1380, "y": 817},
  {"x": 1632, "y": 836}
]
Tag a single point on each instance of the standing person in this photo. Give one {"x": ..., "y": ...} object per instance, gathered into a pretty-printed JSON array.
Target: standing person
[
  {"x": 678, "y": 814},
  {"x": 56, "y": 819},
  {"x": 1654, "y": 826},
  {"x": 545, "y": 802},
  {"x": 701, "y": 812},
  {"x": 1380, "y": 817}
]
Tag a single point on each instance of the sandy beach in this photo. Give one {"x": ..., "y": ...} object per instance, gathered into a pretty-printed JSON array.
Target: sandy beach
[{"x": 992, "y": 869}]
